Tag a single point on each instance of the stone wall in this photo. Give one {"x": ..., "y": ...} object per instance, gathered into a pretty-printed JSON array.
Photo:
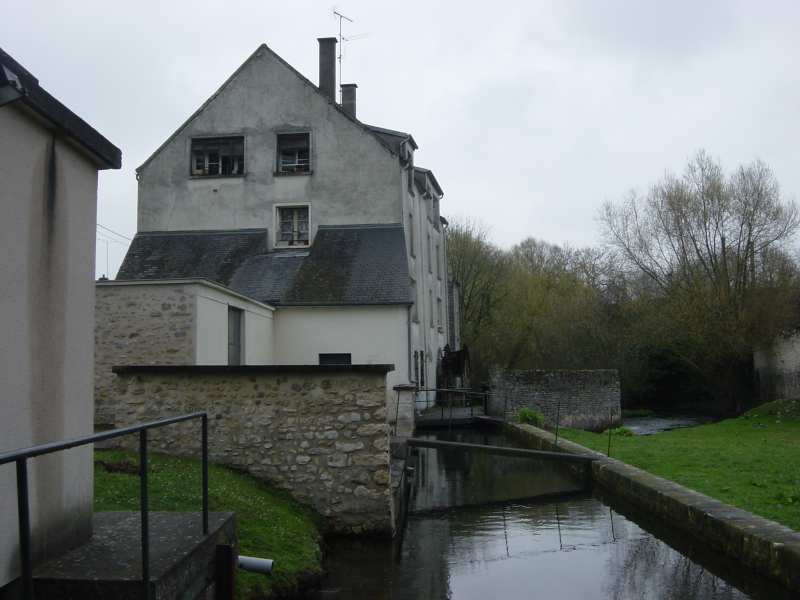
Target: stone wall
[
  {"x": 321, "y": 432},
  {"x": 777, "y": 368},
  {"x": 143, "y": 324},
  {"x": 579, "y": 399}
]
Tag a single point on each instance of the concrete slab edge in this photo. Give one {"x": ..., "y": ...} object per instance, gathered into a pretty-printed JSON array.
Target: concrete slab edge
[{"x": 768, "y": 547}]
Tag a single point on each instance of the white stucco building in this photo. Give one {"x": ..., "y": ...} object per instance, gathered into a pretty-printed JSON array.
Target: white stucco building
[
  {"x": 49, "y": 159},
  {"x": 279, "y": 196}
]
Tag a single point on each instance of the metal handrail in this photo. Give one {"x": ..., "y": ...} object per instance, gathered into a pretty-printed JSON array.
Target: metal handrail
[
  {"x": 462, "y": 391},
  {"x": 21, "y": 457}
]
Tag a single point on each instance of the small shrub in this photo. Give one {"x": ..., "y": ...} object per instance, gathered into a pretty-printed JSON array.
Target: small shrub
[
  {"x": 622, "y": 431},
  {"x": 530, "y": 417}
]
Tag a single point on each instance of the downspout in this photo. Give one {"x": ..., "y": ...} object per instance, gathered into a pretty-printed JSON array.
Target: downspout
[{"x": 410, "y": 350}]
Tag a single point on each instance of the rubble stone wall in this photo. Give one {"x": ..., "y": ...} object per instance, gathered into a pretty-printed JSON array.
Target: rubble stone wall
[
  {"x": 139, "y": 325},
  {"x": 587, "y": 399},
  {"x": 321, "y": 432}
]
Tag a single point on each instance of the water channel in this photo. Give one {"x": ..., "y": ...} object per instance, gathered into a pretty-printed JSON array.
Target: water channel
[{"x": 485, "y": 526}]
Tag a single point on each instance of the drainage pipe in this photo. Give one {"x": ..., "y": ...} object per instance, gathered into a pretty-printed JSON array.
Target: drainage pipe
[{"x": 256, "y": 565}]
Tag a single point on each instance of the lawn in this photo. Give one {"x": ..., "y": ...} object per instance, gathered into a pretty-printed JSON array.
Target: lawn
[
  {"x": 271, "y": 524},
  {"x": 751, "y": 462}
]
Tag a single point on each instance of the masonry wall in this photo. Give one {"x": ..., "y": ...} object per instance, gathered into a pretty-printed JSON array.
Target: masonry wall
[
  {"x": 139, "y": 325},
  {"x": 319, "y": 432},
  {"x": 579, "y": 399},
  {"x": 172, "y": 322},
  {"x": 777, "y": 368}
]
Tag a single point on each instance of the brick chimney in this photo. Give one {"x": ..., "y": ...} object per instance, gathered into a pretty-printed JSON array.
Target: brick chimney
[
  {"x": 349, "y": 98},
  {"x": 327, "y": 66}
]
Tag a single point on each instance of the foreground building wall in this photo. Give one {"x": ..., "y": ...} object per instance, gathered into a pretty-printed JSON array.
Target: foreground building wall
[
  {"x": 321, "y": 432},
  {"x": 47, "y": 243},
  {"x": 579, "y": 399}
]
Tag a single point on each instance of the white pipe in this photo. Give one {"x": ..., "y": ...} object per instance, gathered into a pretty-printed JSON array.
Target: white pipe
[{"x": 256, "y": 565}]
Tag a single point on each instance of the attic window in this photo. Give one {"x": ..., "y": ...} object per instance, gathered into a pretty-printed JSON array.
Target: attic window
[
  {"x": 292, "y": 226},
  {"x": 218, "y": 156},
  {"x": 293, "y": 153}
]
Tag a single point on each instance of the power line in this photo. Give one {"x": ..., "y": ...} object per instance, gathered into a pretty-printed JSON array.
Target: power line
[{"x": 114, "y": 232}]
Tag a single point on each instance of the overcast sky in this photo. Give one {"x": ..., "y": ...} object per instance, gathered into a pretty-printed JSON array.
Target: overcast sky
[{"x": 530, "y": 114}]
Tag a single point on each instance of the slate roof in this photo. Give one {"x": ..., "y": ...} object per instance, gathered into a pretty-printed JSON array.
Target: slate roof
[
  {"x": 346, "y": 265},
  {"x": 212, "y": 255},
  {"x": 393, "y": 139},
  {"x": 353, "y": 265}
]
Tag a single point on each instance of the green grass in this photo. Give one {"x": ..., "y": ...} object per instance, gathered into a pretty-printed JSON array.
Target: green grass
[
  {"x": 271, "y": 524},
  {"x": 753, "y": 468}
]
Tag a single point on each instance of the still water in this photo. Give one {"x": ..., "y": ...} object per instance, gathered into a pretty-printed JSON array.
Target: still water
[{"x": 483, "y": 526}]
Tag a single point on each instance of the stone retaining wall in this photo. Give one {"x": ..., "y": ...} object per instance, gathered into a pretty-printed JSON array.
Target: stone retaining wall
[
  {"x": 764, "y": 545},
  {"x": 321, "y": 432},
  {"x": 579, "y": 399}
]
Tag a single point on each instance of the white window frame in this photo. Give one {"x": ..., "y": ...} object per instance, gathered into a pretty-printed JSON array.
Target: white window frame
[
  {"x": 279, "y": 243},
  {"x": 298, "y": 164}
]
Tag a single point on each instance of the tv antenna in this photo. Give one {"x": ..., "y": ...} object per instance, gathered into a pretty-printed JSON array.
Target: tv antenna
[{"x": 342, "y": 40}]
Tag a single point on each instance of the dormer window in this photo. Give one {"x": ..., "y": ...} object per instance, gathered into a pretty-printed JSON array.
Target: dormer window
[
  {"x": 293, "y": 153},
  {"x": 292, "y": 226},
  {"x": 214, "y": 157}
]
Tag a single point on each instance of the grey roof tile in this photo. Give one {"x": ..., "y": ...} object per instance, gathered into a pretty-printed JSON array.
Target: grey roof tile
[
  {"x": 353, "y": 265},
  {"x": 212, "y": 255},
  {"x": 346, "y": 265}
]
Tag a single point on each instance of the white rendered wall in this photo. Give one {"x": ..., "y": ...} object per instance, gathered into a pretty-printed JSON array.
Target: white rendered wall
[
  {"x": 372, "y": 335},
  {"x": 352, "y": 173},
  {"x": 47, "y": 224},
  {"x": 212, "y": 328}
]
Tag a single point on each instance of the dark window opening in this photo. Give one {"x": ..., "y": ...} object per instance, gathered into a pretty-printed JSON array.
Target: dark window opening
[
  {"x": 335, "y": 359},
  {"x": 293, "y": 226},
  {"x": 234, "y": 336},
  {"x": 293, "y": 153},
  {"x": 218, "y": 156}
]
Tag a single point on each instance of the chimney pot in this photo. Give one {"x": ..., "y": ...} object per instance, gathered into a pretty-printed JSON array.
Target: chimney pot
[
  {"x": 327, "y": 66},
  {"x": 349, "y": 98}
]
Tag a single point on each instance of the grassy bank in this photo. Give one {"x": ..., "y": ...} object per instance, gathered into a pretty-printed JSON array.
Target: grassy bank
[
  {"x": 751, "y": 462},
  {"x": 271, "y": 524}
]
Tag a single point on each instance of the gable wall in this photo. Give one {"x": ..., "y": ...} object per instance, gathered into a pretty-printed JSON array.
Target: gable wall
[{"x": 354, "y": 178}]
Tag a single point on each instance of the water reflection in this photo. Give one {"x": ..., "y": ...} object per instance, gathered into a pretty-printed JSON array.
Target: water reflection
[{"x": 469, "y": 535}]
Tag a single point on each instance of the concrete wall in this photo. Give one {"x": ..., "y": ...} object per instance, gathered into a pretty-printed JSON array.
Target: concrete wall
[
  {"x": 47, "y": 225},
  {"x": 777, "y": 368},
  {"x": 319, "y": 432},
  {"x": 178, "y": 322},
  {"x": 580, "y": 399},
  {"x": 351, "y": 172}
]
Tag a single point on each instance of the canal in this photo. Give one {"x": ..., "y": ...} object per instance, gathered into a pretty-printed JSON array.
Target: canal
[{"x": 484, "y": 526}]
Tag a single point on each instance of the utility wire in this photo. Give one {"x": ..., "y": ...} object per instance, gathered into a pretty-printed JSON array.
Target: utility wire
[{"x": 114, "y": 232}]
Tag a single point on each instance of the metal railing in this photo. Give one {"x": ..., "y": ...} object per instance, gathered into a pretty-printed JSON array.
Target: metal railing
[
  {"x": 450, "y": 396},
  {"x": 21, "y": 457}
]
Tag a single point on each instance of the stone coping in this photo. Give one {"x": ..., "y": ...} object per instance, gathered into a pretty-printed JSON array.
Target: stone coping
[
  {"x": 766, "y": 546},
  {"x": 231, "y": 369}
]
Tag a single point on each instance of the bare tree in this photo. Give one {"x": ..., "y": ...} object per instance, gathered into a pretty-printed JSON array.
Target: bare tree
[
  {"x": 714, "y": 246},
  {"x": 479, "y": 267}
]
